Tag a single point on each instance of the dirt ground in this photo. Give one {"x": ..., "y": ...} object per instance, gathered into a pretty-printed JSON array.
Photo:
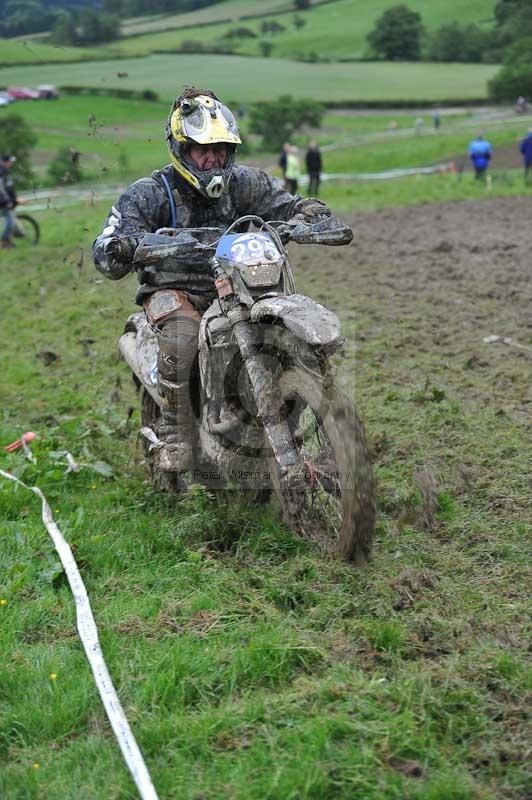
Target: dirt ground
[{"x": 421, "y": 287}]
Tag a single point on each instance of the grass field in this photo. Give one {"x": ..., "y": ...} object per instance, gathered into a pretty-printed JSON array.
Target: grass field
[
  {"x": 416, "y": 151},
  {"x": 17, "y": 51},
  {"x": 249, "y": 667},
  {"x": 421, "y": 190},
  {"x": 245, "y": 80},
  {"x": 228, "y": 10},
  {"x": 332, "y": 31},
  {"x": 127, "y": 141}
]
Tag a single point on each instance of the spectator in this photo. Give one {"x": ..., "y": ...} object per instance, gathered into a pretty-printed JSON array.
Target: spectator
[
  {"x": 436, "y": 120},
  {"x": 314, "y": 165},
  {"x": 292, "y": 169},
  {"x": 521, "y": 106},
  {"x": 526, "y": 150},
  {"x": 282, "y": 161},
  {"x": 419, "y": 125},
  {"x": 480, "y": 154},
  {"x": 8, "y": 200}
]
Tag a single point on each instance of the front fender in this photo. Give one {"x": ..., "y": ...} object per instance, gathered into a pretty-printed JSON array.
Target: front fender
[{"x": 306, "y": 319}]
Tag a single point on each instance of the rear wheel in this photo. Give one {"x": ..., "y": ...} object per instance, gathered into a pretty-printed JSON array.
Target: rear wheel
[
  {"x": 331, "y": 499},
  {"x": 28, "y": 228}
]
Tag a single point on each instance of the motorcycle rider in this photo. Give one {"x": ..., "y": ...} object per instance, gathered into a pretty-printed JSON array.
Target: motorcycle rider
[{"x": 201, "y": 188}]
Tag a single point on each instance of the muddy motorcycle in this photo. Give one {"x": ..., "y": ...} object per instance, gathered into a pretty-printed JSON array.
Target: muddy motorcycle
[{"x": 268, "y": 411}]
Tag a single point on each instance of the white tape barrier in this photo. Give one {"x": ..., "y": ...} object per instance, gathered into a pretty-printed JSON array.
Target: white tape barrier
[
  {"x": 381, "y": 176},
  {"x": 89, "y": 636}
]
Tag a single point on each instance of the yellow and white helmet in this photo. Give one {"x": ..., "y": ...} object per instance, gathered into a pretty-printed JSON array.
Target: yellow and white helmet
[{"x": 197, "y": 116}]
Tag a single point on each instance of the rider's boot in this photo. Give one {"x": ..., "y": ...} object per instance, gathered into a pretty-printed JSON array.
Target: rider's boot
[
  {"x": 177, "y": 326},
  {"x": 176, "y": 429}
]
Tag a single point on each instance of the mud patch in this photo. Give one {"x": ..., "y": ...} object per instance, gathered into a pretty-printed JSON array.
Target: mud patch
[{"x": 435, "y": 280}]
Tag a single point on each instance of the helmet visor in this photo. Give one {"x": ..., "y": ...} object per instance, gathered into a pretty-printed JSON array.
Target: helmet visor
[{"x": 208, "y": 122}]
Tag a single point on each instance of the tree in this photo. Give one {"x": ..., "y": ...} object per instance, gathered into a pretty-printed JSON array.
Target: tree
[
  {"x": 18, "y": 139},
  {"x": 397, "y": 34},
  {"x": 454, "y": 43},
  {"x": 513, "y": 21},
  {"x": 299, "y": 22},
  {"x": 86, "y": 27},
  {"x": 64, "y": 167},
  {"x": 508, "y": 10},
  {"x": 19, "y": 17},
  {"x": 95, "y": 27},
  {"x": 277, "y": 121},
  {"x": 514, "y": 79},
  {"x": 265, "y": 48},
  {"x": 64, "y": 31},
  {"x": 271, "y": 27},
  {"x": 239, "y": 33}
]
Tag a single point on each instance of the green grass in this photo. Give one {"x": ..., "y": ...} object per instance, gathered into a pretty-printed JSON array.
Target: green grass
[
  {"x": 332, "y": 31},
  {"x": 230, "y": 9},
  {"x": 416, "y": 151},
  {"x": 250, "y": 667},
  {"x": 419, "y": 189},
  {"x": 18, "y": 51},
  {"x": 246, "y": 80},
  {"x": 71, "y": 113},
  {"x": 127, "y": 139}
]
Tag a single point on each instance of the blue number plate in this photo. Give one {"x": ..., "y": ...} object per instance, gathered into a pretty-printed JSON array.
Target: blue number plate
[{"x": 248, "y": 249}]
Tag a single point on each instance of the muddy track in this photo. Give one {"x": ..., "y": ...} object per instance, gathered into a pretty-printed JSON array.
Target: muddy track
[{"x": 419, "y": 289}]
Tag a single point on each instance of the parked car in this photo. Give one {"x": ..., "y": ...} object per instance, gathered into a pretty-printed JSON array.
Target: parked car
[
  {"x": 22, "y": 93},
  {"x": 5, "y": 99},
  {"x": 47, "y": 92}
]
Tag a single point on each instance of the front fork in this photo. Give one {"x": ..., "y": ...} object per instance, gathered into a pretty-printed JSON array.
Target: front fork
[{"x": 266, "y": 394}]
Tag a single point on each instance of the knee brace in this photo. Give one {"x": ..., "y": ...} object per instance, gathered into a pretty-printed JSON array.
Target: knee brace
[{"x": 178, "y": 347}]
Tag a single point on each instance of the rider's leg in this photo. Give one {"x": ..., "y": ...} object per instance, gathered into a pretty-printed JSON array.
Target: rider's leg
[
  {"x": 9, "y": 224},
  {"x": 177, "y": 336}
]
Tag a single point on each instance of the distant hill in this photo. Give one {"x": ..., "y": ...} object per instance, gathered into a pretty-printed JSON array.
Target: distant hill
[
  {"x": 67, "y": 4},
  {"x": 21, "y": 17},
  {"x": 330, "y": 30}
]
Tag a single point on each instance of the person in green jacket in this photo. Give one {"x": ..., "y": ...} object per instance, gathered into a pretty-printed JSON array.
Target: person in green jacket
[{"x": 293, "y": 173}]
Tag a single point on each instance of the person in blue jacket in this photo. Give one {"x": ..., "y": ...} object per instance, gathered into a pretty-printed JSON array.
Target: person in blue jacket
[
  {"x": 526, "y": 149},
  {"x": 480, "y": 154}
]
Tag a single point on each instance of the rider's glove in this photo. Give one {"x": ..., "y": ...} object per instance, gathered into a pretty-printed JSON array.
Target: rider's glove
[
  {"x": 327, "y": 231},
  {"x": 311, "y": 210},
  {"x": 121, "y": 249},
  {"x": 284, "y": 232}
]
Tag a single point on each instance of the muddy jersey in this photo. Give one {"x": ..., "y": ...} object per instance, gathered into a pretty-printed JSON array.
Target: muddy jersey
[{"x": 145, "y": 207}]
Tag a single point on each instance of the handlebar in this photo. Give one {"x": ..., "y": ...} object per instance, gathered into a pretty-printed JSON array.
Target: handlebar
[{"x": 149, "y": 248}]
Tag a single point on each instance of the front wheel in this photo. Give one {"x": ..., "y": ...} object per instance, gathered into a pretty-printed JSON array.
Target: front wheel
[
  {"x": 27, "y": 228},
  {"x": 329, "y": 497}
]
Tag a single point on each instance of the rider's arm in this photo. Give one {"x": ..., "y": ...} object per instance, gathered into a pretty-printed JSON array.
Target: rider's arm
[
  {"x": 312, "y": 221},
  {"x": 256, "y": 192},
  {"x": 263, "y": 195},
  {"x": 142, "y": 208}
]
